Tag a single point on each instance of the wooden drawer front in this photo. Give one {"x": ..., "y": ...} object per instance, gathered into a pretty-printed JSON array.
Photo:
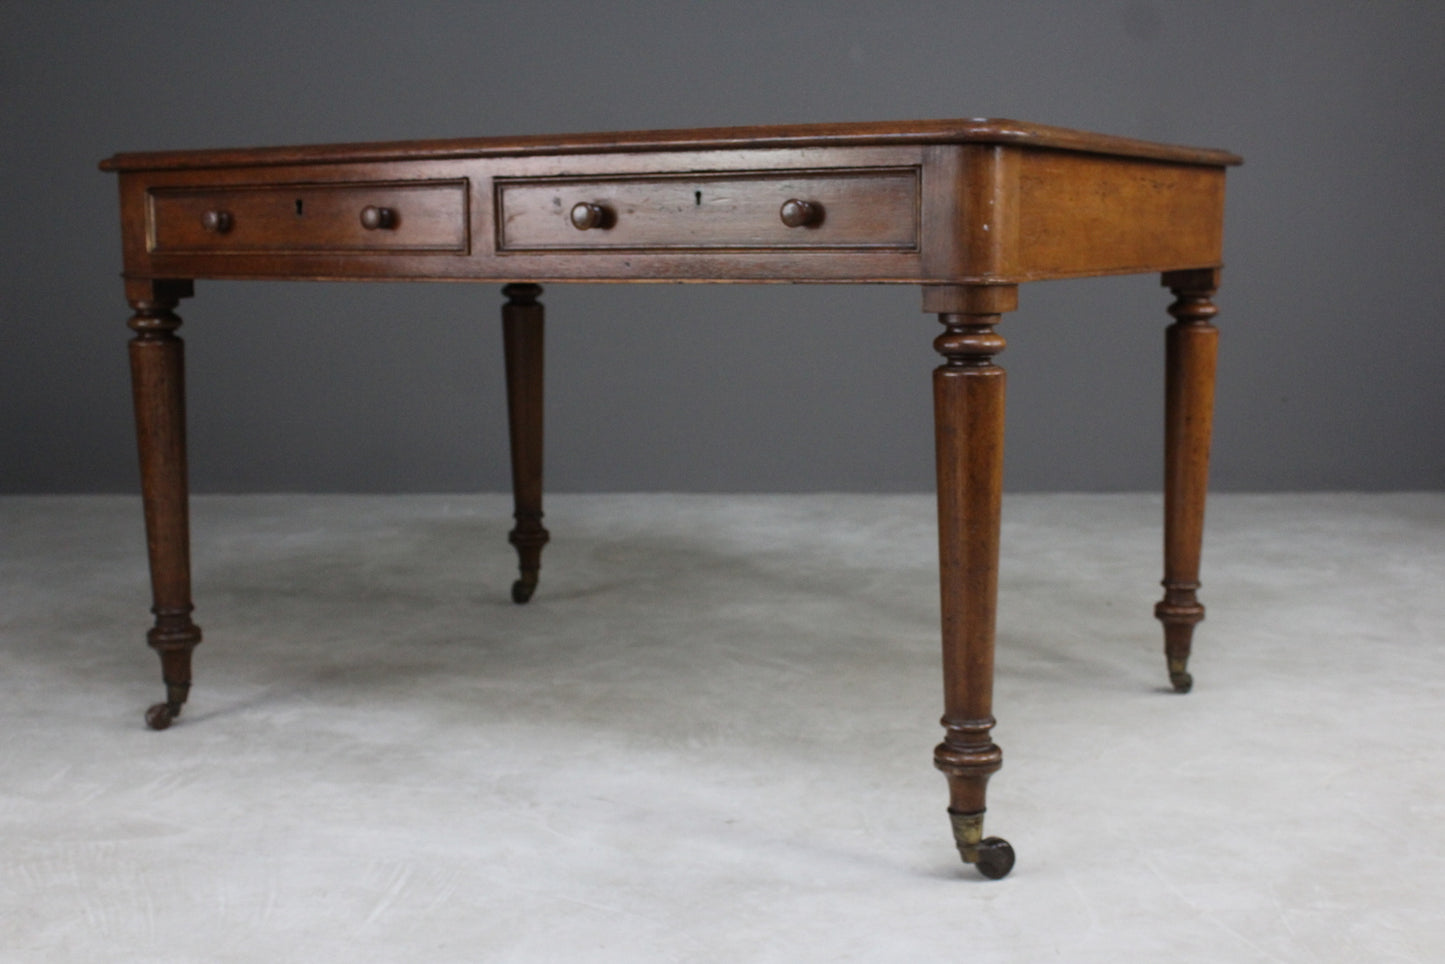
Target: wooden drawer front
[
  {"x": 417, "y": 216},
  {"x": 858, "y": 208}
]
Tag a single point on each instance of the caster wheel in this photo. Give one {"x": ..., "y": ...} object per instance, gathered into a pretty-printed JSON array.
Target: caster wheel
[
  {"x": 1182, "y": 681},
  {"x": 522, "y": 591},
  {"x": 159, "y": 717},
  {"x": 995, "y": 858}
]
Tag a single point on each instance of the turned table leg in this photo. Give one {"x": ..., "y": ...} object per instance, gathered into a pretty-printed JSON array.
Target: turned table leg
[
  {"x": 1191, "y": 347},
  {"x": 157, "y": 365},
  {"x": 522, "y": 330},
  {"x": 968, "y": 397}
]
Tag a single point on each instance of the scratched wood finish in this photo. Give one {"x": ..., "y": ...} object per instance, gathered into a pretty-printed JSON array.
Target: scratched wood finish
[
  {"x": 852, "y": 209},
  {"x": 967, "y": 209},
  {"x": 968, "y": 172},
  {"x": 794, "y": 136},
  {"x": 304, "y": 216}
]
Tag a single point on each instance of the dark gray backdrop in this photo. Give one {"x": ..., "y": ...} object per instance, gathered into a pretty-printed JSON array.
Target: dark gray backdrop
[{"x": 1331, "y": 354}]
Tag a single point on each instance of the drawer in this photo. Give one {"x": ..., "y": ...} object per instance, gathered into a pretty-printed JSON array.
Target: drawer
[
  {"x": 418, "y": 216},
  {"x": 867, "y": 208}
]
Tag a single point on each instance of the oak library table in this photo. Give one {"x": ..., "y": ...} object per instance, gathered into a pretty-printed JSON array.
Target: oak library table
[{"x": 965, "y": 209}]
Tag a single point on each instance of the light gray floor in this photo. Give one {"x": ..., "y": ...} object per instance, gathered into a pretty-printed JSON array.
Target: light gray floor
[{"x": 709, "y": 737}]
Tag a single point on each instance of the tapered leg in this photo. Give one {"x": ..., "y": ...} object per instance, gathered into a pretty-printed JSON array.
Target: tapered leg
[
  {"x": 968, "y": 396},
  {"x": 1191, "y": 348},
  {"x": 522, "y": 331},
  {"x": 157, "y": 364}
]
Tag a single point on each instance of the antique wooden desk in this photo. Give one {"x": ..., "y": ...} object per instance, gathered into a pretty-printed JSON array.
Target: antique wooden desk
[{"x": 967, "y": 210}]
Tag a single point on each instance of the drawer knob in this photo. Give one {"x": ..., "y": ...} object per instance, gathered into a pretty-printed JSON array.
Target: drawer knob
[
  {"x": 217, "y": 222},
  {"x": 373, "y": 218},
  {"x": 586, "y": 215},
  {"x": 801, "y": 214}
]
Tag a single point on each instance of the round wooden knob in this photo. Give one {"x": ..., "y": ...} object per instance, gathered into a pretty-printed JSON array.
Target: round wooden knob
[
  {"x": 801, "y": 214},
  {"x": 217, "y": 222},
  {"x": 586, "y": 215},
  {"x": 373, "y": 218}
]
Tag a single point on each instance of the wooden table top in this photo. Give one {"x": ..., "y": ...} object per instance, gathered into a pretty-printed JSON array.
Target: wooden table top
[{"x": 966, "y": 131}]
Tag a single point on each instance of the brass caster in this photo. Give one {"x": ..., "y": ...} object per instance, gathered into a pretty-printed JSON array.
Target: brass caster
[
  {"x": 1179, "y": 673},
  {"x": 995, "y": 858},
  {"x": 161, "y": 715},
  {"x": 522, "y": 590}
]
